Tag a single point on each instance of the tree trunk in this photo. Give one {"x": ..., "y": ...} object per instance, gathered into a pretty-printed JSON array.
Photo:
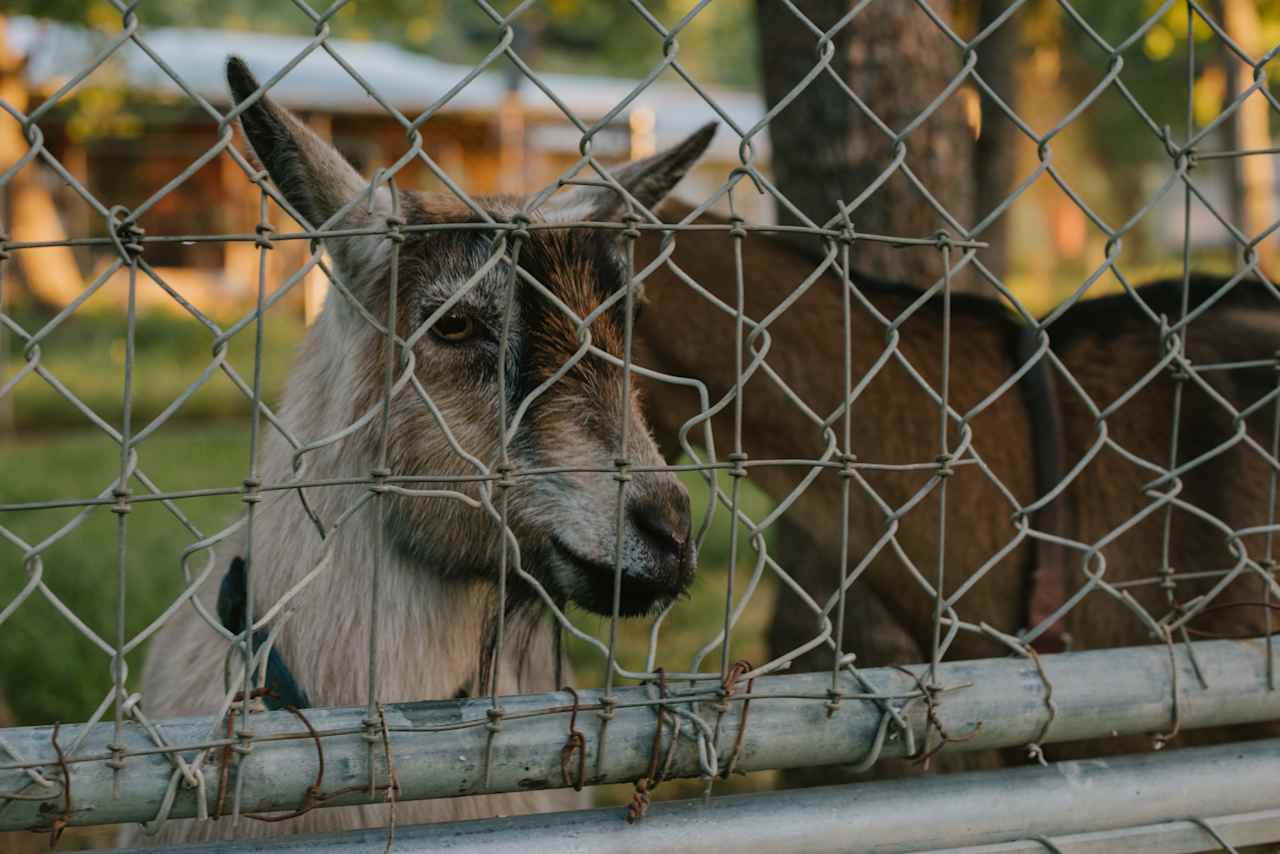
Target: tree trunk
[
  {"x": 825, "y": 149},
  {"x": 995, "y": 150},
  {"x": 1256, "y": 174}
]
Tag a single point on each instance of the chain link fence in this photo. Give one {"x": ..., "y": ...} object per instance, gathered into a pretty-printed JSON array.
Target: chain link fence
[{"x": 460, "y": 484}]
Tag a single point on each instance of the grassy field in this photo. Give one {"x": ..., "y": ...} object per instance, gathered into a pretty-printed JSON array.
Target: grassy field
[{"x": 86, "y": 353}]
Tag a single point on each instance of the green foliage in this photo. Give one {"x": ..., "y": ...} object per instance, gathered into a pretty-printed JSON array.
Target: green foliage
[{"x": 1150, "y": 63}]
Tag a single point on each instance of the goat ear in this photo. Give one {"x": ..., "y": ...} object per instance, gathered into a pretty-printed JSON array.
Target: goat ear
[
  {"x": 310, "y": 173},
  {"x": 648, "y": 181}
]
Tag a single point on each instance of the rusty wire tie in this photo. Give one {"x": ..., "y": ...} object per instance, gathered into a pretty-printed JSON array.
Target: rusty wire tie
[
  {"x": 735, "y": 673},
  {"x": 576, "y": 742},
  {"x": 638, "y": 808},
  {"x": 224, "y": 755},
  {"x": 929, "y": 693},
  {"x": 59, "y": 823},
  {"x": 313, "y": 795}
]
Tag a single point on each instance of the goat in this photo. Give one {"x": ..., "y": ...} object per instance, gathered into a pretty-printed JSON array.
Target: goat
[
  {"x": 437, "y": 590},
  {"x": 1107, "y": 345}
]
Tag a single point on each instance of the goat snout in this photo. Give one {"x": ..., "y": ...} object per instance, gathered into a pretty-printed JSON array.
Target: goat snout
[
  {"x": 659, "y": 554},
  {"x": 657, "y": 551},
  {"x": 663, "y": 523}
]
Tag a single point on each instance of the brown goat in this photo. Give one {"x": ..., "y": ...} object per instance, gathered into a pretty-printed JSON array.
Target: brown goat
[{"x": 1108, "y": 345}]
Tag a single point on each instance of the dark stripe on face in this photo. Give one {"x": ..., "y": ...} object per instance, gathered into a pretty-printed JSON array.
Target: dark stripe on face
[{"x": 582, "y": 270}]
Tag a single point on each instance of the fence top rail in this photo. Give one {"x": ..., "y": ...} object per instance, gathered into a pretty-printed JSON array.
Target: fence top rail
[{"x": 446, "y": 748}]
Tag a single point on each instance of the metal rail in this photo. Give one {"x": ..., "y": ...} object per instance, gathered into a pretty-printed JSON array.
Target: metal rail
[
  {"x": 998, "y": 811},
  {"x": 444, "y": 749}
]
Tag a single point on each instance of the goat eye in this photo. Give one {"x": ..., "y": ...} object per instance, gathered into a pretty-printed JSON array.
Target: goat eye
[{"x": 454, "y": 328}]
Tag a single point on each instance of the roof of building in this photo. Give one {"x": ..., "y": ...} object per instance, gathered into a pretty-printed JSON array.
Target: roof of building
[{"x": 409, "y": 82}]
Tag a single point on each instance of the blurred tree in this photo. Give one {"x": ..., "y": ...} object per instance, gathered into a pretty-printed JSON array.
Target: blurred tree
[
  {"x": 995, "y": 149},
  {"x": 1255, "y": 175},
  {"x": 1120, "y": 138},
  {"x": 826, "y": 149}
]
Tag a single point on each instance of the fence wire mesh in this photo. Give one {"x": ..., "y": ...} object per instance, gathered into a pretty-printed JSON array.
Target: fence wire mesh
[{"x": 462, "y": 468}]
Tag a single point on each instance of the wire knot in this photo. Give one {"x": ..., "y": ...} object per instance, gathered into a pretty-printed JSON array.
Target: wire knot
[
  {"x": 623, "y": 473},
  {"x": 737, "y": 228},
  {"x": 740, "y": 668},
  {"x": 127, "y": 236},
  {"x": 722, "y": 707},
  {"x": 945, "y": 465},
  {"x": 131, "y": 235},
  {"x": 847, "y": 463},
  {"x": 394, "y": 222},
  {"x": 116, "y": 762},
  {"x": 495, "y": 720},
  {"x": 264, "y": 230},
  {"x": 833, "y": 701},
  {"x": 244, "y": 742},
  {"x": 121, "y": 495},
  {"x": 738, "y": 458},
  {"x": 632, "y": 219},
  {"x": 505, "y": 480},
  {"x": 521, "y": 230},
  {"x": 640, "y": 800}
]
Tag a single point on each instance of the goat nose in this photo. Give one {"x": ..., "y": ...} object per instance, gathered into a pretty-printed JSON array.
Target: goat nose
[{"x": 664, "y": 523}]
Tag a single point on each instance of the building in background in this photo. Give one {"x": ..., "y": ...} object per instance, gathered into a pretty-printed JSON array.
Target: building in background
[{"x": 130, "y": 129}]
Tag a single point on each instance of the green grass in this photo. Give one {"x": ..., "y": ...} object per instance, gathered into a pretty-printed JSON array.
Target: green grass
[
  {"x": 51, "y": 671},
  {"x": 86, "y": 353}
]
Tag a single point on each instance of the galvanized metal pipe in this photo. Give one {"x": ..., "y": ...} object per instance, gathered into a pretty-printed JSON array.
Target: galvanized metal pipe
[
  {"x": 1096, "y": 694},
  {"x": 1131, "y": 803}
]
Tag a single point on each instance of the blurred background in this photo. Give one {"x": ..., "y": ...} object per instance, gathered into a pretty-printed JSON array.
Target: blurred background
[{"x": 1064, "y": 131}]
